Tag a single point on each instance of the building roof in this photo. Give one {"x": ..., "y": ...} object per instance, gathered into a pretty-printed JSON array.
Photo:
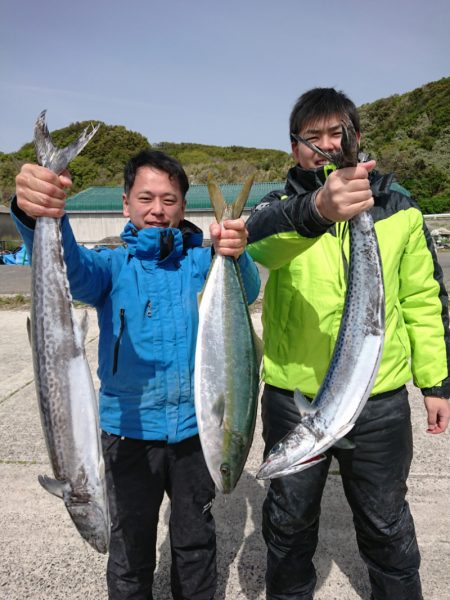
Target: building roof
[{"x": 109, "y": 199}]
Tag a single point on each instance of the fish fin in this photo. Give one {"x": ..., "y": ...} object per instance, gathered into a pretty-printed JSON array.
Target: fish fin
[
  {"x": 303, "y": 405},
  {"x": 216, "y": 197},
  {"x": 29, "y": 329},
  {"x": 51, "y": 156},
  {"x": 344, "y": 444},
  {"x": 218, "y": 410},
  {"x": 238, "y": 205},
  {"x": 53, "y": 486}
]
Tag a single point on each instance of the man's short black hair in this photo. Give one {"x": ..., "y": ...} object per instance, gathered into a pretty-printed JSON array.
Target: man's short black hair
[
  {"x": 156, "y": 160},
  {"x": 320, "y": 103}
]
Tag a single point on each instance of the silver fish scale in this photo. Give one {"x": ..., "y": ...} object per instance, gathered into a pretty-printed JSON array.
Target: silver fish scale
[
  {"x": 52, "y": 318},
  {"x": 364, "y": 304},
  {"x": 65, "y": 391},
  {"x": 358, "y": 349},
  {"x": 226, "y": 374},
  {"x": 353, "y": 366},
  {"x": 362, "y": 322}
]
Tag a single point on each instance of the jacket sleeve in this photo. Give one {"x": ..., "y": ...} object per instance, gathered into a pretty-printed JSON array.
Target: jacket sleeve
[
  {"x": 88, "y": 271},
  {"x": 424, "y": 303},
  {"x": 281, "y": 227},
  {"x": 250, "y": 277}
]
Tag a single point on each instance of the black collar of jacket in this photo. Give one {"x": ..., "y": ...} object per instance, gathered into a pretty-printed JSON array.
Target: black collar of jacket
[{"x": 191, "y": 234}]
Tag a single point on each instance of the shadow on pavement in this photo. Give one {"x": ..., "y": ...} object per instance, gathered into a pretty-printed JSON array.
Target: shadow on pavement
[{"x": 240, "y": 545}]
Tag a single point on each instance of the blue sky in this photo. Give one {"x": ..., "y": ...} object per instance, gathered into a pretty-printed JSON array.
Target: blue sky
[{"x": 225, "y": 73}]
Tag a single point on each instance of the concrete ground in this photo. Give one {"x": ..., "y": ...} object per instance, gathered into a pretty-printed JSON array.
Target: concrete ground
[{"x": 43, "y": 557}]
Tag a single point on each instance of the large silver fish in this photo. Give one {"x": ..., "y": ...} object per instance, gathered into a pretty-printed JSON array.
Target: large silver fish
[
  {"x": 226, "y": 362},
  {"x": 65, "y": 391},
  {"x": 357, "y": 353}
]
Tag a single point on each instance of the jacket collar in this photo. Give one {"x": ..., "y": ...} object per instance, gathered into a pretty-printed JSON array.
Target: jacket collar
[
  {"x": 301, "y": 180},
  {"x": 160, "y": 244}
]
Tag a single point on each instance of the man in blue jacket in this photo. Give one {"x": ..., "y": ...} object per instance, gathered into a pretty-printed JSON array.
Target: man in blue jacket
[{"x": 145, "y": 294}]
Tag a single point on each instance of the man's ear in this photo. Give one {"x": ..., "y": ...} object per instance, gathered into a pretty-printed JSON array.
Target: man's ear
[
  {"x": 125, "y": 209},
  {"x": 294, "y": 148}
]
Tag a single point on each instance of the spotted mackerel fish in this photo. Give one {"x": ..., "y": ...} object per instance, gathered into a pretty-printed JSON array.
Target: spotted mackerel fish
[
  {"x": 357, "y": 353},
  {"x": 65, "y": 391},
  {"x": 227, "y": 361}
]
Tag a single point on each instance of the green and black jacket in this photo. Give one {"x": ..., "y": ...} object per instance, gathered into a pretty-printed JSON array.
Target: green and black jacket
[{"x": 305, "y": 293}]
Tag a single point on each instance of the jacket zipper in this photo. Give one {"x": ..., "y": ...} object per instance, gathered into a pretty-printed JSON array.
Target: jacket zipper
[{"x": 117, "y": 344}]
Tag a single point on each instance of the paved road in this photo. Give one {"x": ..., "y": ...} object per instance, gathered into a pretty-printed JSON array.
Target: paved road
[
  {"x": 15, "y": 279},
  {"x": 43, "y": 557}
]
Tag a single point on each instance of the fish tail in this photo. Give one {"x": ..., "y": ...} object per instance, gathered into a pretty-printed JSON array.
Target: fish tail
[
  {"x": 238, "y": 205},
  {"x": 217, "y": 200},
  {"x": 222, "y": 210},
  {"x": 51, "y": 156}
]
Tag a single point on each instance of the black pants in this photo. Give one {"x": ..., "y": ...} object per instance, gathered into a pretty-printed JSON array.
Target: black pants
[
  {"x": 138, "y": 472},
  {"x": 374, "y": 478}
]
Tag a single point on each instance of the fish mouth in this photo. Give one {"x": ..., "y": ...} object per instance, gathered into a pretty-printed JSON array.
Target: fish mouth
[
  {"x": 294, "y": 449},
  {"x": 265, "y": 473}
]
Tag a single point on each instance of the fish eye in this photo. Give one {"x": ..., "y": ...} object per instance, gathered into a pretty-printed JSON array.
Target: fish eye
[{"x": 225, "y": 469}]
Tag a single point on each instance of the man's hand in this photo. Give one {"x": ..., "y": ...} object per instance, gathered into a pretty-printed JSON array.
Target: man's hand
[
  {"x": 346, "y": 193},
  {"x": 438, "y": 410},
  {"x": 40, "y": 192},
  {"x": 230, "y": 240}
]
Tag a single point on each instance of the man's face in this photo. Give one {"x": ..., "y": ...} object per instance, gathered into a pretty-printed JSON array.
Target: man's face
[
  {"x": 155, "y": 200},
  {"x": 326, "y": 134}
]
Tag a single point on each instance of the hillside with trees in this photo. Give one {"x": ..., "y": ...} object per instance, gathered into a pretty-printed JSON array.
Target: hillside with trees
[
  {"x": 100, "y": 163},
  {"x": 408, "y": 134}
]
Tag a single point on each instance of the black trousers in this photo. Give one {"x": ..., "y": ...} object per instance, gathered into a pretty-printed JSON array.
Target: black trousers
[
  {"x": 374, "y": 477},
  {"x": 138, "y": 472}
]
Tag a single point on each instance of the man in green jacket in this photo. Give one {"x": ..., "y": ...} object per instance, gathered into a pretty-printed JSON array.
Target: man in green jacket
[{"x": 301, "y": 235}]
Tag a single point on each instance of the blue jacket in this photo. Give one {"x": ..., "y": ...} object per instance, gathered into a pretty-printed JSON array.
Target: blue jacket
[
  {"x": 146, "y": 300},
  {"x": 19, "y": 257}
]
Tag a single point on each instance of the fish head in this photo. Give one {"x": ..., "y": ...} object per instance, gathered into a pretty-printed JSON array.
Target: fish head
[
  {"x": 227, "y": 479},
  {"x": 298, "y": 444},
  {"x": 226, "y": 458},
  {"x": 232, "y": 463},
  {"x": 92, "y": 522}
]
